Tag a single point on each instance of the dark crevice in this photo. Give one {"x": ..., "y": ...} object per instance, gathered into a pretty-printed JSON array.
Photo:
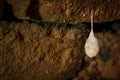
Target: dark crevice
[
  {"x": 104, "y": 26},
  {"x": 8, "y": 13},
  {"x": 32, "y": 10}
]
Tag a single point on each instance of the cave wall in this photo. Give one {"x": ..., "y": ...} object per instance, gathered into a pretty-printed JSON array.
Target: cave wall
[{"x": 65, "y": 10}]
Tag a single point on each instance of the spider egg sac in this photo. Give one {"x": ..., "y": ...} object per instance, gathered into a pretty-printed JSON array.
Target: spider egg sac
[{"x": 91, "y": 45}]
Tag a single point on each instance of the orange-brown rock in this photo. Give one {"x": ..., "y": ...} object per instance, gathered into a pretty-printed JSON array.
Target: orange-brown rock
[
  {"x": 70, "y": 11},
  {"x": 76, "y": 11},
  {"x": 33, "y": 52}
]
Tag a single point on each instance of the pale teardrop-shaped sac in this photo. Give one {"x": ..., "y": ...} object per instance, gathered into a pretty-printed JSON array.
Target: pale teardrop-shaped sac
[{"x": 91, "y": 45}]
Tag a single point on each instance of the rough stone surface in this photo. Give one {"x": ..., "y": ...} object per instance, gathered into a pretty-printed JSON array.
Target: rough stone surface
[
  {"x": 75, "y": 11},
  {"x": 31, "y": 52},
  {"x": 70, "y": 11}
]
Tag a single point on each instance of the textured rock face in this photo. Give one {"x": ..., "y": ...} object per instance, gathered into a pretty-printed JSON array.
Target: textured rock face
[
  {"x": 75, "y": 11},
  {"x": 72, "y": 11},
  {"x": 30, "y": 52},
  {"x": 34, "y": 50}
]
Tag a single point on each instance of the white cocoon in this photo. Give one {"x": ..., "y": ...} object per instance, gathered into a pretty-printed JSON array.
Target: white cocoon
[{"x": 91, "y": 45}]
